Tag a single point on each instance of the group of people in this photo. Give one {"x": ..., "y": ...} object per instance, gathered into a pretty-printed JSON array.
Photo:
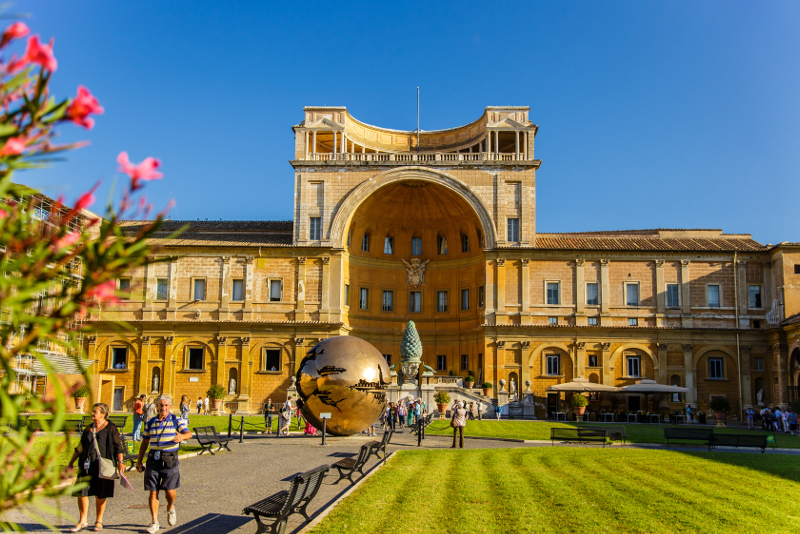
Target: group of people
[
  {"x": 775, "y": 420},
  {"x": 404, "y": 413},
  {"x": 285, "y": 417}
]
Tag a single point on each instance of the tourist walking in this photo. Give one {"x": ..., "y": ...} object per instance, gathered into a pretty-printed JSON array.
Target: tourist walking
[
  {"x": 471, "y": 411},
  {"x": 792, "y": 418},
  {"x": 185, "y": 409},
  {"x": 268, "y": 417},
  {"x": 480, "y": 405},
  {"x": 458, "y": 422},
  {"x": 138, "y": 417},
  {"x": 498, "y": 410},
  {"x": 199, "y": 405},
  {"x": 205, "y": 406},
  {"x": 410, "y": 416},
  {"x": 285, "y": 417},
  {"x": 99, "y": 441},
  {"x": 688, "y": 415},
  {"x": 162, "y": 435},
  {"x": 299, "y": 405},
  {"x": 750, "y": 415},
  {"x": 401, "y": 414}
]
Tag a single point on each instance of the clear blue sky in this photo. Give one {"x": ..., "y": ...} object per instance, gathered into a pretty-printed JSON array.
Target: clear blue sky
[{"x": 651, "y": 114}]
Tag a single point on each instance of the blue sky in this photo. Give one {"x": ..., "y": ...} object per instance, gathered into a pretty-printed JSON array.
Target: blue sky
[{"x": 651, "y": 114}]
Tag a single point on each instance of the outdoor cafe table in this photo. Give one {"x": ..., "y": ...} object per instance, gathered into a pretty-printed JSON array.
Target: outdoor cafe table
[
  {"x": 560, "y": 415},
  {"x": 608, "y": 417}
]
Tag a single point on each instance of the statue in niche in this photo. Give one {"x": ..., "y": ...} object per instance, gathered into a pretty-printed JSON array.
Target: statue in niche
[
  {"x": 416, "y": 272},
  {"x": 155, "y": 383},
  {"x": 232, "y": 387},
  {"x": 512, "y": 393},
  {"x": 301, "y": 290},
  {"x": 760, "y": 397}
]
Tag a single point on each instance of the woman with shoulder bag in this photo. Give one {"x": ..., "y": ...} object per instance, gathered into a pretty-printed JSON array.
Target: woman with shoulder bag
[{"x": 100, "y": 455}]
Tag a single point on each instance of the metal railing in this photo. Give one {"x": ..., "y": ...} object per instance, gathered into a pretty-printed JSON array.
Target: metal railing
[{"x": 410, "y": 157}]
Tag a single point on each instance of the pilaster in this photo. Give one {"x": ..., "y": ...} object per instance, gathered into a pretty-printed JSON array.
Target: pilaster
[
  {"x": 580, "y": 290},
  {"x": 248, "y": 287},
  {"x": 173, "y": 289},
  {"x": 747, "y": 390},
  {"x": 299, "y": 354},
  {"x": 526, "y": 292},
  {"x": 608, "y": 376},
  {"x": 769, "y": 286},
  {"x": 605, "y": 288},
  {"x": 688, "y": 366},
  {"x": 662, "y": 372},
  {"x": 580, "y": 357},
  {"x": 780, "y": 356},
  {"x": 500, "y": 286},
  {"x": 686, "y": 301},
  {"x": 144, "y": 366},
  {"x": 225, "y": 286},
  {"x": 326, "y": 289},
  {"x": 168, "y": 372},
  {"x": 300, "y": 311},
  {"x": 661, "y": 288},
  {"x": 744, "y": 297}
]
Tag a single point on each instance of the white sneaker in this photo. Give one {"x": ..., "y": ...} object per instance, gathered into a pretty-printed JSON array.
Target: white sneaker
[
  {"x": 153, "y": 528},
  {"x": 172, "y": 518}
]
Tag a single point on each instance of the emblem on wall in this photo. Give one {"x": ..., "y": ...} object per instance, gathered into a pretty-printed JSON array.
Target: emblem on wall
[{"x": 416, "y": 272}]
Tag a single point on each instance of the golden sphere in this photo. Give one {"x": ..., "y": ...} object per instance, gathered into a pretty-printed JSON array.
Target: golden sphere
[{"x": 343, "y": 376}]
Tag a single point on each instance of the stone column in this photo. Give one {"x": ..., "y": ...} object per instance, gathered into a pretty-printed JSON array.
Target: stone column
[
  {"x": 500, "y": 194},
  {"x": 580, "y": 291},
  {"x": 525, "y": 369},
  {"x": 662, "y": 373},
  {"x": 299, "y": 354},
  {"x": 686, "y": 320},
  {"x": 335, "y": 146},
  {"x": 314, "y": 144},
  {"x": 173, "y": 289},
  {"x": 143, "y": 388},
  {"x": 780, "y": 357},
  {"x": 747, "y": 389},
  {"x": 500, "y": 285},
  {"x": 245, "y": 378},
  {"x": 490, "y": 289},
  {"x": 225, "y": 286},
  {"x": 326, "y": 289},
  {"x": 300, "y": 308},
  {"x": 248, "y": 287},
  {"x": 526, "y": 293},
  {"x": 150, "y": 289},
  {"x": 688, "y": 366},
  {"x": 744, "y": 296},
  {"x": 605, "y": 288},
  {"x": 516, "y": 146},
  {"x": 306, "y": 144},
  {"x": 608, "y": 376},
  {"x": 219, "y": 373},
  {"x": 580, "y": 359},
  {"x": 489, "y": 142}
]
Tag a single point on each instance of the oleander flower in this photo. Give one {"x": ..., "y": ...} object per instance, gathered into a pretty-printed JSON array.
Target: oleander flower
[
  {"x": 13, "y": 147},
  {"x": 81, "y": 107},
  {"x": 146, "y": 170},
  {"x": 15, "y": 31}
]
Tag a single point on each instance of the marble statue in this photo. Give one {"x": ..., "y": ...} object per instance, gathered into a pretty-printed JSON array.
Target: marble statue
[
  {"x": 760, "y": 397},
  {"x": 512, "y": 389},
  {"x": 155, "y": 383},
  {"x": 232, "y": 387}
]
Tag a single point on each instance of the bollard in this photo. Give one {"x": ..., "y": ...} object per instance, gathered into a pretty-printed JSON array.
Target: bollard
[
  {"x": 241, "y": 430},
  {"x": 230, "y": 423},
  {"x": 324, "y": 421}
]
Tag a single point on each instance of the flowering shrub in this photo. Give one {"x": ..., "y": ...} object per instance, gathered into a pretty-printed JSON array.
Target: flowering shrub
[{"x": 57, "y": 262}]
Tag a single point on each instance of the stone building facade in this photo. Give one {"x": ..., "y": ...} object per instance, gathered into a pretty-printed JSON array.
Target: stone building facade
[{"x": 439, "y": 227}]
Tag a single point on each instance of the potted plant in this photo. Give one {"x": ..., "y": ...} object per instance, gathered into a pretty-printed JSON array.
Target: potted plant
[
  {"x": 442, "y": 399},
  {"x": 469, "y": 382},
  {"x": 579, "y": 404},
  {"x": 487, "y": 386},
  {"x": 720, "y": 405},
  {"x": 80, "y": 395},
  {"x": 216, "y": 393}
]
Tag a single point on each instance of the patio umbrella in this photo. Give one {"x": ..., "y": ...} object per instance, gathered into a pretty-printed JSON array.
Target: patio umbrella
[
  {"x": 581, "y": 384},
  {"x": 651, "y": 386}
]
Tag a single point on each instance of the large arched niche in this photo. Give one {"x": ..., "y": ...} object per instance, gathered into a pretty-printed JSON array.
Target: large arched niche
[{"x": 453, "y": 194}]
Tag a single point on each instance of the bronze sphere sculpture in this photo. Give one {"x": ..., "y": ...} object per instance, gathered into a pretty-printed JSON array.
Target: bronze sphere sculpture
[{"x": 344, "y": 376}]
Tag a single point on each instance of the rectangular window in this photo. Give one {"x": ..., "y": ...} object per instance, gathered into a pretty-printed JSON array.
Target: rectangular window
[
  {"x": 552, "y": 320},
  {"x": 199, "y": 289},
  {"x": 464, "y": 243},
  {"x": 275, "y": 290},
  {"x": 592, "y": 360},
  {"x": 553, "y": 296},
  {"x": 715, "y": 368},
  {"x": 272, "y": 359},
  {"x": 363, "y": 298},
  {"x": 464, "y": 299},
  {"x": 481, "y": 296},
  {"x": 238, "y": 290},
  {"x": 513, "y": 230},
  {"x": 633, "y": 321},
  {"x": 634, "y": 366},
  {"x": 592, "y": 295},
  {"x": 713, "y": 296},
  {"x": 441, "y": 301},
  {"x": 672, "y": 296},
  {"x": 195, "y": 358},
  {"x": 759, "y": 363},
  {"x": 464, "y": 362},
  {"x": 797, "y": 268},
  {"x": 162, "y": 289},
  {"x": 388, "y": 245},
  {"x": 756, "y": 323},
  {"x": 755, "y": 296},
  {"x": 124, "y": 286},
  {"x": 553, "y": 367},
  {"x": 388, "y": 358},
  {"x": 315, "y": 229},
  {"x": 592, "y": 321},
  {"x": 631, "y": 294},
  {"x": 416, "y": 246},
  {"x": 441, "y": 245},
  {"x": 119, "y": 357},
  {"x": 388, "y": 300},
  {"x": 415, "y": 301},
  {"x": 347, "y": 294},
  {"x": 441, "y": 363},
  {"x": 365, "y": 243}
]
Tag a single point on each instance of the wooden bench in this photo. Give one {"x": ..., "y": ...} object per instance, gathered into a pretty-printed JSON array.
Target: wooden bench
[
  {"x": 285, "y": 503},
  {"x": 582, "y": 435},
  {"x": 686, "y": 433},
  {"x": 132, "y": 456},
  {"x": 348, "y": 466},
  {"x": 119, "y": 421},
  {"x": 207, "y": 437},
  {"x": 73, "y": 425},
  {"x": 615, "y": 433},
  {"x": 758, "y": 441},
  {"x": 376, "y": 446}
]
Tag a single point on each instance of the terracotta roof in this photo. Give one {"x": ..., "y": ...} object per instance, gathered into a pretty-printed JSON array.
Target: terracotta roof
[
  {"x": 218, "y": 226},
  {"x": 573, "y": 242},
  {"x": 220, "y": 233}
]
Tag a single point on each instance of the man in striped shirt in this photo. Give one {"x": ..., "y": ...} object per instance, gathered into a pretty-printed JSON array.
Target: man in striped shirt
[{"x": 163, "y": 435}]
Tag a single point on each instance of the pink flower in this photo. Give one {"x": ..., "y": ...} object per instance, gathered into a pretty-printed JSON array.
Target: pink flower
[
  {"x": 87, "y": 199},
  {"x": 66, "y": 241},
  {"x": 146, "y": 170},
  {"x": 3, "y": 213},
  {"x": 15, "y": 31},
  {"x": 105, "y": 292},
  {"x": 81, "y": 107},
  {"x": 13, "y": 147},
  {"x": 38, "y": 53}
]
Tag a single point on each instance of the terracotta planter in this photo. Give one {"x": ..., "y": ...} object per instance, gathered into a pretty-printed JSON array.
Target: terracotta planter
[
  {"x": 486, "y": 391},
  {"x": 720, "y": 417},
  {"x": 469, "y": 385},
  {"x": 579, "y": 410},
  {"x": 216, "y": 403},
  {"x": 441, "y": 407},
  {"x": 79, "y": 403}
]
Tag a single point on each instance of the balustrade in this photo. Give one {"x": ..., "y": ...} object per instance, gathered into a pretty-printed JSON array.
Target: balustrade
[{"x": 412, "y": 157}]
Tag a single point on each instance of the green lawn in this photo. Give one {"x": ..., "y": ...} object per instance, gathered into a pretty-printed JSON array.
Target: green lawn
[
  {"x": 540, "y": 430},
  {"x": 220, "y": 422},
  {"x": 553, "y": 490}
]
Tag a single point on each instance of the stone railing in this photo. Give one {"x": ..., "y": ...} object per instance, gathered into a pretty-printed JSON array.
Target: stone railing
[{"x": 413, "y": 157}]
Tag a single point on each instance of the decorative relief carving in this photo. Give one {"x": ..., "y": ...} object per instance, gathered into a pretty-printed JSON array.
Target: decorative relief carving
[
  {"x": 169, "y": 339},
  {"x": 326, "y": 260},
  {"x": 91, "y": 339},
  {"x": 301, "y": 260},
  {"x": 662, "y": 346},
  {"x": 248, "y": 260},
  {"x": 416, "y": 271},
  {"x": 684, "y": 263},
  {"x": 581, "y": 345},
  {"x": 580, "y": 261},
  {"x": 526, "y": 344},
  {"x": 298, "y": 341},
  {"x": 606, "y": 346},
  {"x": 525, "y": 262},
  {"x": 745, "y": 348},
  {"x": 225, "y": 260},
  {"x": 604, "y": 262},
  {"x": 768, "y": 264},
  {"x": 659, "y": 263},
  {"x": 501, "y": 262},
  {"x": 145, "y": 340},
  {"x": 780, "y": 347},
  {"x": 688, "y": 347},
  {"x": 222, "y": 340},
  {"x": 501, "y": 344},
  {"x": 245, "y": 341}
]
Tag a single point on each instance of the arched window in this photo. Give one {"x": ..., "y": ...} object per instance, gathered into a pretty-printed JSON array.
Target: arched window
[
  {"x": 365, "y": 242},
  {"x": 441, "y": 244},
  {"x": 388, "y": 244},
  {"x": 464, "y": 242},
  {"x": 416, "y": 244}
]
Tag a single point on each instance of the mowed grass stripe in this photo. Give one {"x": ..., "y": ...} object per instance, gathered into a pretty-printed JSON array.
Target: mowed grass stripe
[{"x": 511, "y": 476}]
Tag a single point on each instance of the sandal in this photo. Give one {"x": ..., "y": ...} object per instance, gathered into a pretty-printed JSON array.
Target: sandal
[
  {"x": 79, "y": 527},
  {"x": 98, "y": 524}
]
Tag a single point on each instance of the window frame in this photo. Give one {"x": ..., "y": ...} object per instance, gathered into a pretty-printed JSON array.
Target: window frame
[
  {"x": 464, "y": 304},
  {"x": 441, "y": 245},
  {"x": 315, "y": 228},
  {"x": 390, "y": 293},
  {"x": 758, "y": 364},
  {"x": 233, "y": 289},
  {"x": 265, "y": 355},
  {"x": 194, "y": 288},
  {"x": 630, "y": 359},
  {"x": 667, "y": 304},
  {"x": 113, "y": 355},
  {"x": 347, "y": 294},
  {"x": 441, "y": 362},
  {"x": 465, "y": 362},
  {"x": 509, "y": 236},
  {"x": 552, "y": 321},
  {"x": 464, "y": 243},
  {"x": 592, "y": 321},
  {"x": 625, "y": 286},
  {"x": 552, "y": 362},
  {"x": 166, "y": 285},
  {"x": 719, "y": 295},
  {"x": 189, "y": 349},
  {"x": 413, "y": 248},
  {"x": 365, "y": 242},
  {"x": 388, "y": 243},
  {"x": 759, "y": 297},
  {"x": 412, "y": 300},
  {"x": 547, "y": 294},
  {"x": 363, "y": 301},
  {"x": 596, "y": 296},
  {"x": 125, "y": 294},
  {"x": 269, "y": 289},
  {"x": 442, "y": 307},
  {"x": 589, "y": 360},
  {"x": 481, "y": 297},
  {"x": 633, "y": 321},
  {"x": 721, "y": 362}
]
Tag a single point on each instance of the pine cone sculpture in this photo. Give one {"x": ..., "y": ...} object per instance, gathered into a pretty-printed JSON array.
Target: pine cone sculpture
[{"x": 411, "y": 346}]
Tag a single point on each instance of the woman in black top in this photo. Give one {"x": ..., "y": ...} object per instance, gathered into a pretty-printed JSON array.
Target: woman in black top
[{"x": 110, "y": 446}]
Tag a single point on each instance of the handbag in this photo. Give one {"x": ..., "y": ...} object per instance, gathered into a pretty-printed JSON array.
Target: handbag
[{"x": 108, "y": 469}]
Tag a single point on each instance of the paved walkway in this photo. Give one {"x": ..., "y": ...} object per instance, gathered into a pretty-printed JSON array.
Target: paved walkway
[{"x": 215, "y": 489}]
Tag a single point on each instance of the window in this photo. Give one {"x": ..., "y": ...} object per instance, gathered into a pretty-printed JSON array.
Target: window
[
  {"x": 119, "y": 357},
  {"x": 363, "y": 298},
  {"x": 347, "y": 294},
  {"x": 592, "y": 321},
  {"x": 553, "y": 296},
  {"x": 464, "y": 362},
  {"x": 416, "y": 246},
  {"x": 633, "y": 321},
  {"x": 481, "y": 296},
  {"x": 553, "y": 365},
  {"x": 162, "y": 289},
  {"x": 275, "y": 290},
  {"x": 388, "y": 358},
  {"x": 513, "y": 230},
  {"x": 759, "y": 363},
  {"x": 124, "y": 286},
  {"x": 365, "y": 243},
  {"x": 552, "y": 320},
  {"x": 441, "y": 245},
  {"x": 634, "y": 366},
  {"x": 196, "y": 358},
  {"x": 797, "y": 268},
  {"x": 441, "y": 301},
  {"x": 464, "y": 243},
  {"x": 199, "y": 289},
  {"x": 715, "y": 368},
  {"x": 672, "y": 296},
  {"x": 441, "y": 363},
  {"x": 272, "y": 359},
  {"x": 315, "y": 229},
  {"x": 712, "y": 293},
  {"x": 238, "y": 290},
  {"x": 388, "y": 300},
  {"x": 631, "y": 294},
  {"x": 756, "y": 323},
  {"x": 675, "y": 381},
  {"x": 592, "y": 360},
  {"x": 464, "y": 299},
  {"x": 388, "y": 245},
  {"x": 349, "y": 236},
  {"x": 755, "y": 296},
  {"x": 415, "y": 301},
  {"x": 592, "y": 295}
]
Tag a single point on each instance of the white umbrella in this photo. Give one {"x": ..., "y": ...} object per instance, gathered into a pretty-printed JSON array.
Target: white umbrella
[
  {"x": 581, "y": 384},
  {"x": 651, "y": 386}
]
